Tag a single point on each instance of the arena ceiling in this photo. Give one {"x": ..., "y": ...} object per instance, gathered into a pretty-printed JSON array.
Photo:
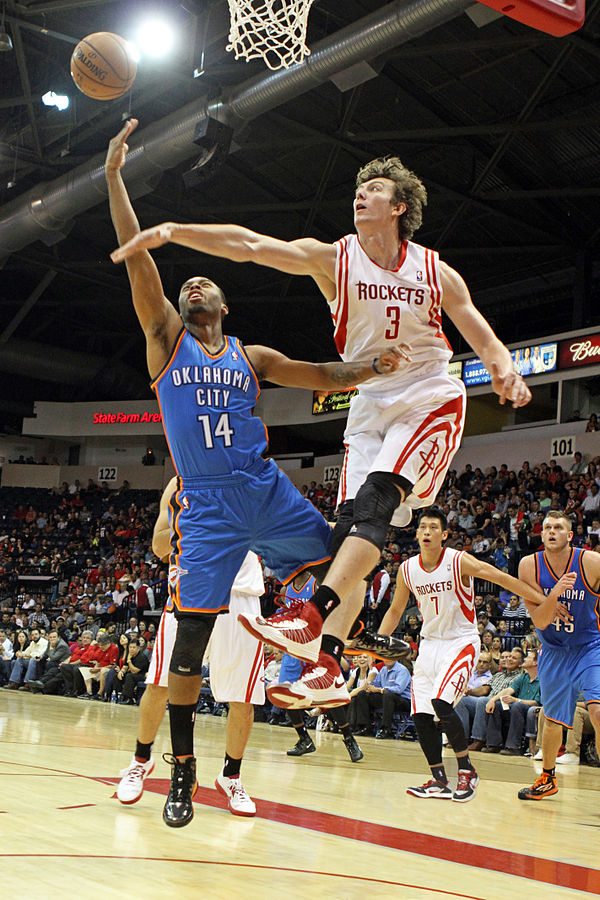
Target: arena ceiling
[{"x": 502, "y": 123}]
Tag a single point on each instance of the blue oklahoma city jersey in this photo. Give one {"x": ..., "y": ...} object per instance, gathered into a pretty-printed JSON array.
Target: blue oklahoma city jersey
[
  {"x": 583, "y": 604},
  {"x": 206, "y": 404}
]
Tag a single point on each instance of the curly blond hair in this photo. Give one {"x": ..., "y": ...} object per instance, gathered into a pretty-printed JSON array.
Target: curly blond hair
[{"x": 409, "y": 189}]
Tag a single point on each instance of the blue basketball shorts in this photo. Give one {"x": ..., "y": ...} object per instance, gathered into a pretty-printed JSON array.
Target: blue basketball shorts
[
  {"x": 215, "y": 520},
  {"x": 564, "y": 673}
]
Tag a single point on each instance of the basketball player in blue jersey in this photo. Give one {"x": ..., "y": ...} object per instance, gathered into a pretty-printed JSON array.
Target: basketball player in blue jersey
[
  {"x": 299, "y": 591},
  {"x": 401, "y": 433},
  {"x": 229, "y": 499},
  {"x": 569, "y": 659}
]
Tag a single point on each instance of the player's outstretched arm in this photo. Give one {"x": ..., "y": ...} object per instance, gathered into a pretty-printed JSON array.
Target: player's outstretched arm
[
  {"x": 390, "y": 621},
  {"x": 158, "y": 318},
  {"x": 457, "y": 303},
  {"x": 544, "y": 613},
  {"x": 590, "y": 563},
  {"x": 528, "y": 589},
  {"x": 305, "y": 256},
  {"x": 270, "y": 365}
]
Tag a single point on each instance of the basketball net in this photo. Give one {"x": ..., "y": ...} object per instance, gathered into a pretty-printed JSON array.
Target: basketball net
[{"x": 272, "y": 29}]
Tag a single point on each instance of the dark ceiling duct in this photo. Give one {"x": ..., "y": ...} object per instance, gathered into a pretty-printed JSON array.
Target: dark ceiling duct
[{"x": 46, "y": 211}]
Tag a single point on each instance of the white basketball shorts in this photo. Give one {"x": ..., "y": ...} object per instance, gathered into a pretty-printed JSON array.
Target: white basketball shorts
[
  {"x": 236, "y": 658},
  {"x": 414, "y": 433},
  {"x": 442, "y": 671}
]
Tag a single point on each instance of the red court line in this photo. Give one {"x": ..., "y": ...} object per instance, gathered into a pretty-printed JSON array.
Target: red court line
[
  {"x": 548, "y": 871},
  {"x": 80, "y": 806},
  {"x": 212, "y": 862}
]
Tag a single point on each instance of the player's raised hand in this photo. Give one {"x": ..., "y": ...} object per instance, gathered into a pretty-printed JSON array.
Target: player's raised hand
[
  {"x": 117, "y": 148},
  {"x": 509, "y": 386},
  {"x": 391, "y": 359},
  {"x": 563, "y": 584},
  {"x": 145, "y": 240}
]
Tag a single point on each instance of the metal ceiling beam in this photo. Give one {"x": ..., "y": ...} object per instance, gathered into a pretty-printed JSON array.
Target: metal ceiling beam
[
  {"x": 551, "y": 73},
  {"x": 34, "y": 296},
  {"x": 461, "y": 131},
  {"x": 34, "y": 9},
  {"x": 24, "y": 76}
]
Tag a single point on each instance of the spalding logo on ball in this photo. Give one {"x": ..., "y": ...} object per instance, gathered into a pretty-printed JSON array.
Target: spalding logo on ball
[{"x": 102, "y": 66}]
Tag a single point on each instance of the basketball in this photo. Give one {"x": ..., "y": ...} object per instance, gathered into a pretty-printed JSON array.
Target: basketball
[{"x": 102, "y": 66}]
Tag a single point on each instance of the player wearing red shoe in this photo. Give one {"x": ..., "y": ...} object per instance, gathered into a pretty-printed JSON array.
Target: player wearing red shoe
[
  {"x": 402, "y": 433},
  {"x": 441, "y": 580},
  {"x": 569, "y": 659}
]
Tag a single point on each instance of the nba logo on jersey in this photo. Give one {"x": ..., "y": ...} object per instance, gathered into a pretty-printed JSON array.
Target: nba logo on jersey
[
  {"x": 235, "y": 354},
  {"x": 185, "y": 502},
  {"x": 175, "y": 573},
  {"x": 419, "y": 275}
]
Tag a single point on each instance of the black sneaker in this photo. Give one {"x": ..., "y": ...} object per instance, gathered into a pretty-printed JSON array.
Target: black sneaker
[
  {"x": 304, "y": 745},
  {"x": 382, "y": 646},
  {"x": 438, "y": 790},
  {"x": 179, "y": 809},
  {"x": 354, "y": 751}
]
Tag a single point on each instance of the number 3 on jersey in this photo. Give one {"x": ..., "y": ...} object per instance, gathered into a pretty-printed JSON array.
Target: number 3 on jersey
[{"x": 222, "y": 430}]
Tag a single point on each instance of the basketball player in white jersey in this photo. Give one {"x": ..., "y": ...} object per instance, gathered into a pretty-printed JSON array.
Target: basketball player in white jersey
[
  {"x": 402, "y": 432},
  {"x": 236, "y": 677},
  {"x": 441, "y": 580}
]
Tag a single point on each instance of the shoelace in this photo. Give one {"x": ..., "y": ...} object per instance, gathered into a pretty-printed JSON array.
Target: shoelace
[
  {"x": 239, "y": 791},
  {"x": 180, "y": 777},
  {"x": 287, "y": 611},
  {"x": 133, "y": 772}
]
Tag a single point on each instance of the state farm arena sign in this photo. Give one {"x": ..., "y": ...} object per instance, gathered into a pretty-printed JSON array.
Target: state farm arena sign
[
  {"x": 579, "y": 351},
  {"x": 124, "y": 418}
]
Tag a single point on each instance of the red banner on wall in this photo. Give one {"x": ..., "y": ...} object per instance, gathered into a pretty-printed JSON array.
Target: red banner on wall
[{"x": 579, "y": 351}]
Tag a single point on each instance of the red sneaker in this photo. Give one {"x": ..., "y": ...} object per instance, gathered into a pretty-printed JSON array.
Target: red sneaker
[
  {"x": 321, "y": 684},
  {"x": 296, "y": 631}
]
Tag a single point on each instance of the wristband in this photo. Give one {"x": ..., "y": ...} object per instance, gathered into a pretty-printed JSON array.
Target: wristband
[{"x": 374, "y": 366}]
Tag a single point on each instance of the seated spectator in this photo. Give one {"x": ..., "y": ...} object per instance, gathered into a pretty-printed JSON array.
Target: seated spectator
[
  {"x": 133, "y": 630},
  {"x": 6, "y": 654},
  {"x": 484, "y": 624},
  {"x": 523, "y": 699},
  {"x": 26, "y": 662},
  {"x": 58, "y": 652},
  {"x": 114, "y": 677},
  {"x": 478, "y": 686},
  {"x": 135, "y": 671},
  {"x": 500, "y": 555},
  {"x": 516, "y": 609},
  {"x": 359, "y": 676},
  {"x": 495, "y": 653},
  {"x": 389, "y": 691},
  {"x": 592, "y": 423},
  {"x": 510, "y": 669},
  {"x": 82, "y": 655},
  {"x": 579, "y": 466},
  {"x": 38, "y": 618},
  {"x": 104, "y": 659}
]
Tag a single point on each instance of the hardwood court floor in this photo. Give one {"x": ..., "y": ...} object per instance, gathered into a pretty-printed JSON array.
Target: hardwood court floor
[{"x": 325, "y": 828}]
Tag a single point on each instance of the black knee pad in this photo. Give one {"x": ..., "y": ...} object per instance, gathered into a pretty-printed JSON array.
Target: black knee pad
[
  {"x": 193, "y": 633},
  {"x": 343, "y": 525},
  {"x": 430, "y": 738},
  {"x": 375, "y": 504}
]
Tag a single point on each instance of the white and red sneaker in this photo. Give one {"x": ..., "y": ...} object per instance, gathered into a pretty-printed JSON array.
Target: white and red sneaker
[
  {"x": 238, "y": 800},
  {"x": 321, "y": 684},
  {"x": 131, "y": 785},
  {"x": 296, "y": 630}
]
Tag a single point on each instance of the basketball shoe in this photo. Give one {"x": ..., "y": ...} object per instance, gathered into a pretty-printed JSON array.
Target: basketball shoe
[
  {"x": 296, "y": 630},
  {"x": 543, "y": 786},
  {"x": 179, "y": 809},
  {"x": 303, "y": 745},
  {"x": 321, "y": 684},
  {"x": 432, "y": 789},
  {"x": 131, "y": 785},
  {"x": 381, "y": 646},
  {"x": 238, "y": 800},
  {"x": 467, "y": 785},
  {"x": 354, "y": 751}
]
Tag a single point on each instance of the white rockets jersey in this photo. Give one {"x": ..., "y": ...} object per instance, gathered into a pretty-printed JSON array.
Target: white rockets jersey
[
  {"x": 376, "y": 308},
  {"x": 249, "y": 580},
  {"x": 446, "y": 605}
]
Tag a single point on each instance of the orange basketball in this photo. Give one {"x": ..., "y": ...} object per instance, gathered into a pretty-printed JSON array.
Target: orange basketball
[{"x": 102, "y": 66}]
